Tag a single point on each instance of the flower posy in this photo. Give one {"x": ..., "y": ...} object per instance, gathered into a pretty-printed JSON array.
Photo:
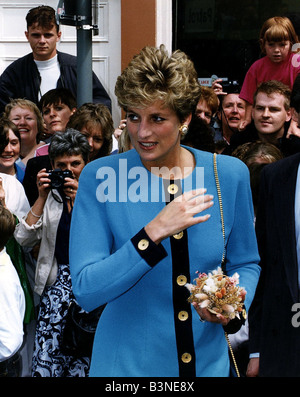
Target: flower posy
[{"x": 218, "y": 293}]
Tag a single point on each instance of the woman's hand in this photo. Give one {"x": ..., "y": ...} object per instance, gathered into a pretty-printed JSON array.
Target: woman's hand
[
  {"x": 243, "y": 124},
  {"x": 43, "y": 183},
  {"x": 118, "y": 131},
  {"x": 206, "y": 315},
  {"x": 71, "y": 187},
  {"x": 218, "y": 88},
  {"x": 179, "y": 215}
]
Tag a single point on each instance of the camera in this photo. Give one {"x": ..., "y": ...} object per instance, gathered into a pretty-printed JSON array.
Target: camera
[
  {"x": 57, "y": 177},
  {"x": 231, "y": 87}
]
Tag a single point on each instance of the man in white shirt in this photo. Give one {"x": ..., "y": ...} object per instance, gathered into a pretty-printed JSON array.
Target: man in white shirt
[{"x": 45, "y": 68}]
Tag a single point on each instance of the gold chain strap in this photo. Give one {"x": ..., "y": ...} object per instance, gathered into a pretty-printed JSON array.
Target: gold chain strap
[
  {"x": 220, "y": 203},
  {"x": 224, "y": 250},
  {"x": 232, "y": 355}
]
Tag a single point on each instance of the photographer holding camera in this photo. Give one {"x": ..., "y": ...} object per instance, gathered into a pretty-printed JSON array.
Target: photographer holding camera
[
  {"x": 231, "y": 114},
  {"x": 48, "y": 222}
]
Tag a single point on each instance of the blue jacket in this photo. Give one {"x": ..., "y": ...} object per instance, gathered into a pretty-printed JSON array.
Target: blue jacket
[
  {"x": 21, "y": 79},
  {"x": 140, "y": 332},
  {"x": 20, "y": 170}
]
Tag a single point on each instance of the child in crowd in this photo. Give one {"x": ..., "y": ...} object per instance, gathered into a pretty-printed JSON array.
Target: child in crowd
[
  {"x": 12, "y": 302},
  {"x": 277, "y": 37}
]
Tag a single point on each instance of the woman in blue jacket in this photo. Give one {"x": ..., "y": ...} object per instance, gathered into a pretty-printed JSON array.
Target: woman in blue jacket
[{"x": 144, "y": 223}]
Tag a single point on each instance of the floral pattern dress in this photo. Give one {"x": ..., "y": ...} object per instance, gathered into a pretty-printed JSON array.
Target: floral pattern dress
[{"x": 48, "y": 357}]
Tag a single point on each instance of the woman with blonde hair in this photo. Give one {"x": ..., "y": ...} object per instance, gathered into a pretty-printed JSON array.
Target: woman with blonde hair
[
  {"x": 144, "y": 224},
  {"x": 27, "y": 117}
]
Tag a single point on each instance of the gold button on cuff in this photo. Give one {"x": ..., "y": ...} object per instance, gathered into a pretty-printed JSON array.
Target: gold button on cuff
[
  {"x": 143, "y": 244},
  {"x": 181, "y": 280},
  {"x": 178, "y": 236},
  {"x": 173, "y": 189},
  {"x": 186, "y": 358},
  {"x": 183, "y": 315}
]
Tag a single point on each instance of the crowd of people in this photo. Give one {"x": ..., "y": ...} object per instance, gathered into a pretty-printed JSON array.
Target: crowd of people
[{"x": 123, "y": 232}]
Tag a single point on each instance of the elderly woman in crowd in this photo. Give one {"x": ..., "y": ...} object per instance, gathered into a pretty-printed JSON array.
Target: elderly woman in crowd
[{"x": 144, "y": 224}]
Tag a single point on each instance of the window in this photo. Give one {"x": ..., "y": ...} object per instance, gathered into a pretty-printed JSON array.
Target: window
[{"x": 221, "y": 36}]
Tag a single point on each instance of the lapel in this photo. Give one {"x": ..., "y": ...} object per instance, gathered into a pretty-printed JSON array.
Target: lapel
[{"x": 285, "y": 219}]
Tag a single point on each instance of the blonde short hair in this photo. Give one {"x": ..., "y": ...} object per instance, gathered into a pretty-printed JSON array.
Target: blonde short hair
[
  {"x": 27, "y": 104},
  {"x": 154, "y": 75}
]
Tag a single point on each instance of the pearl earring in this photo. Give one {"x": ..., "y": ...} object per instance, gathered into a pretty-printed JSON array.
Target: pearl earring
[{"x": 183, "y": 129}]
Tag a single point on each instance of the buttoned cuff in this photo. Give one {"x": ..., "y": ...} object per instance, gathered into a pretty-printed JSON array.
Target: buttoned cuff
[{"x": 152, "y": 253}]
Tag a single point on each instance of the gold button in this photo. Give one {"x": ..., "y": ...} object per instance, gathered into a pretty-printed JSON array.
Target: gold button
[
  {"x": 186, "y": 358},
  {"x": 143, "y": 244},
  {"x": 172, "y": 189},
  {"x": 178, "y": 236},
  {"x": 181, "y": 280},
  {"x": 183, "y": 315}
]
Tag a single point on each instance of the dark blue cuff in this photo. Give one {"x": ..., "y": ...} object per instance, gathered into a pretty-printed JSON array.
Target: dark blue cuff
[{"x": 152, "y": 253}]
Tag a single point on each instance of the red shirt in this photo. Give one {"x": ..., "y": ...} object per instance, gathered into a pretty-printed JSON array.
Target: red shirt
[{"x": 264, "y": 70}]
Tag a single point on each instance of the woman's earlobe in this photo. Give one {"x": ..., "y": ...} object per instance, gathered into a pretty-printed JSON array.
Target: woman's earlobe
[{"x": 183, "y": 130}]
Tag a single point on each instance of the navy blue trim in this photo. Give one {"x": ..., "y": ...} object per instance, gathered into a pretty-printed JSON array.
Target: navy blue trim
[
  {"x": 154, "y": 253},
  {"x": 181, "y": 266}
]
